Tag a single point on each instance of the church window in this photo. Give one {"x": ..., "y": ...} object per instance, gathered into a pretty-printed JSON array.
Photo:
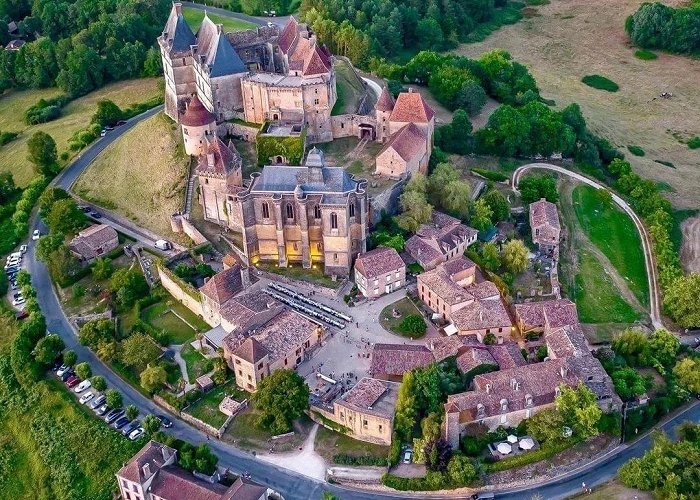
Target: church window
[
  {"x": 334, "y": 220},
  {"x": 352, "y": 210},
  {"x": 265, "y": 210},
  {"x": 317, "y": 212},
  {"x": 316, "y": 101},
  {"x": 290, "y": 211}
]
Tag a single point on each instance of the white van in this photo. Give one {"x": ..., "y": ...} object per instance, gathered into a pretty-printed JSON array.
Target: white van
[{"x": 163, "y": 245}]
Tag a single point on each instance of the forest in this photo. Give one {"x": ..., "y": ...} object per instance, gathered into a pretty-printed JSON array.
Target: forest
[{"x": 658, "y": 26}]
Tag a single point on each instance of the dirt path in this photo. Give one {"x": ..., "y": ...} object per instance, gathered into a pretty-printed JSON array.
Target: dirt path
[{"x": 690, "y": 249}]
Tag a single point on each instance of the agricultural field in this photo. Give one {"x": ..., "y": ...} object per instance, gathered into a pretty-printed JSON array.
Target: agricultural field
[
  {"x": 194, "y": 18},
  {"x": 142, "y": 175},
  {"x": 76, "y": 115},
  {"x": 566, "y": 40}
]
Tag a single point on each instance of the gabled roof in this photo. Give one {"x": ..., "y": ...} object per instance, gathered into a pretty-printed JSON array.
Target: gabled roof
[
  {"x": 154, "y": 454},
  {"x": 378, "y": 262},
  {"x": 178, "y": 32},
  {"x": 544, "y": 212},
  {"x": 218, "y": 158},
  {"x": 317, "y": 61},
  {"x": 411, "y": 107},
  {"x": 244, "y": 489},
  {"x": 408, "y": 142},
  {"x": 288, "y": 34},
  {"x": 386, "y": 101},
  {"x": 223, "y": 59},
  {"x": 224, "y": 285},
  {"x": 397, "y": 359},
  {"x": 196, "y": 115}
]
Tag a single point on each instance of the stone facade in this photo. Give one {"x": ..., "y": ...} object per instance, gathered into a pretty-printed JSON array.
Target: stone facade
[
  {"x": 379, "y": 271},
  {"x": 545, "y": 226}
]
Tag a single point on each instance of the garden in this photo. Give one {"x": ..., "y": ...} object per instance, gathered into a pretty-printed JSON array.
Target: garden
[
  {"x": 403, "y": 318},
  {"x": 341, "y": 449},
  {"x": 206, "y": 409}
]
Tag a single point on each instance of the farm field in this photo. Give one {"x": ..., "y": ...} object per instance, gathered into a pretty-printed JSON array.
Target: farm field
[
  {"x": 614, "y": 233},
  {"x": 568, "y": 39},
  {"x": 141, "y": 175},
  {"x": 75, "y": 115},
  {"x": 194, "y": 18}
]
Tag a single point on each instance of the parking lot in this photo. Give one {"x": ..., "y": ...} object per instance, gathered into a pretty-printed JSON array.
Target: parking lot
[{"x": 13, "y": 264}]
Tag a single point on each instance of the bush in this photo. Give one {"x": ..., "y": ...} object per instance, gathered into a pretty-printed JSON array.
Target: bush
[
  {"x": 344, "y": 459},
  {"x": 490, "y": 174},
  {"x": 45, "y": 110},
  {"x": 636, "y": 150},
  {"x": 694, "y": 143},
  {"x": 546, "y": 451},
  {"x": 413, "y": 325},
  {"x": 600, "y": 83},
  {"x": 6, "y": 137},
  {"x": 394, "y": 450},
  {"x": 645, "y": 55}
]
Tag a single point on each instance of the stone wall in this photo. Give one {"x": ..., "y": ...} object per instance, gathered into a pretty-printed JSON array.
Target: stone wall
[
  {"x": 321, "y": 290},
  {"x": 386, "y": 200},
  {"x": 181, "y": 224},
  {"x": 189, "y": 298},
  {"x": 348, "y": 125},
  {"x": 241, "y": 129}
]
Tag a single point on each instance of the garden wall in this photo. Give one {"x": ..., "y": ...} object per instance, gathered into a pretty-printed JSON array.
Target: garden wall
[
  {"x": 180, "y": 224},
  {"x": 239, "y": 128},
  {"x": 387, "y": 200},
  {"x": 181, "y": 291}
]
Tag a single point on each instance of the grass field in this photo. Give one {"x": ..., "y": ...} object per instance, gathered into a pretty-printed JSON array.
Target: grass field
[
  {"x": 350, "y": 89},
  {"x": 162, "y": 316},
  {"x": 207, "y": 408},
  {"x": 571, "y": 39},
  {"x": 614, "y": 233},
  {"x": 194, "y": 18},
  {"x": 329, "y": 443},
  {"x": 197, "y": 365},
  {"x": 596, "y": 296},
  {"x": 405, "y": 307},
  {"x": 142, "y": 175},
  {"x": 76, "y": 115}
]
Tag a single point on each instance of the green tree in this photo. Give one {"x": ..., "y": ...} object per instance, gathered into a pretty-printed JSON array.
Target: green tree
[
  {"x": 83, "y": 370},
  {"x": 535, "y": 187},
  {"x": 413, "y": 325},
  {"x": 546, "y": 425},
  {"x": 681, "y": 299},
  {"x": 406, "y": 408},
  {"x": 471, "y": 97},
  {"x": 102, "y": 268},
  {"x": 49, "y": 244},
  {"x": 136, "y": 350},
  {"x": 92, "y": 332},
  {"x": 506, "y": 134},
  {"x": 62, "y": 265},
  {"x": 687, "y": 371},
  {"x": 107, "y": 113},
  {"x": 69, "y": 358},
  {"x": 664, "y": 346},
  {"x": 107, "y": 350},
  {"x": 128, "y": 285},
  {"x": 66, "y": 217},
  {"x": 579, "y": 408},
  {"x": 456, "y": 137},
  {"x": 150, "y": 424},
  {"x": 113, "y": 398},
  {"x": 481, "y": 215},
  {"x": 48, "y": 349},
  {"x": 489, "y": 257},
  {"x": 153, "y": 64},
  {"x": 7, "y": 187},
  {"x": 131, "y": 412},
  {"x": 99, "y": 383},
  {"x": 153, "y": 377},
  {"x": 281, "y": 398},
  {"x": 631, "y": 344},
  {"x": 42, "y": 151},
  {"x": 415, "y": 211},
  {"x": 628, "y": 383},
  {"x": 461, "y": 470},
  {"x": 498, "y": 205},
  {"x": 515, "y": 256},
  {"x": 82, "y": 71}
]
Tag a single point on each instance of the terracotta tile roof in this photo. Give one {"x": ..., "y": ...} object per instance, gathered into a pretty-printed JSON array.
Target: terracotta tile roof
[
  {"x": 317, "y": 61},
  {"x": 567, "y": 341},
  {"x": 555, "y": 313},
  {"x": 386, "y": 100},
  {"x": 251, "y": 351},
  {"x": 218, "y": 158},
  {"x": 378, "y": 262},
  {"x": 461, "y": 263},
  {"x": 92, "y": 241},
  {"x": 544, "y": 212},
  {"x": 244, "y": 489},
  {"x": 484, "y": 290},
  {"x": 283, "y": 332},
  {"x": 397, "y": 359},
  {"x": 465, "y": 347},
  {"x": 224, "y": 285},
  {"x": 371, "y": 396},
  {"x": 444, "y": 347},
  {"x": 439, "y": 283},
  {"x": 507, "y": 355},
  {"x": 424, "y": 251},
  {"x": 443, "y": 234},
  {"x": 408, "y": 142},
  {"x": 473, "y": 357},
  {"x": 153, "y": 454},
  {"x": 196, "y": 115},
  {"x": 411, "y": 107},
  {"x": 482, "y": 314},
  {"x": 288, "y": 34},
  {"x": 174, "y": 483}
]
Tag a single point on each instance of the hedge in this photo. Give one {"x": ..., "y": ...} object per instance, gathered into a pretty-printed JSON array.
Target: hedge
[
  {"x": 546, "y": 451},
  {"x": 344, "y": 459},
  {"x": 45, "y": 110},
  {"x": 491, "y": 175},
  {"x": 290, "y": 147},
  {"x": 600, "y": 83}
]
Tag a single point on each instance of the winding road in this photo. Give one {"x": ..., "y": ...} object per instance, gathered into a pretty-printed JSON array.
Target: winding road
[{"x": 654, "y": 293}]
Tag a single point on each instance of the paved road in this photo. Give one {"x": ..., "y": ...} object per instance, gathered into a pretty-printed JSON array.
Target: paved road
[
  {"x": 260, "y": 21},
  {"x": 654, "y": 294}
]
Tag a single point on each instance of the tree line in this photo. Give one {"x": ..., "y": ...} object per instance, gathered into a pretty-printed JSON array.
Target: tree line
[
  {"x": 658, "y": 26},
  {"x": 80, "y": 45}
]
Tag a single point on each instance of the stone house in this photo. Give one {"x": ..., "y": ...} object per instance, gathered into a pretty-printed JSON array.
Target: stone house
[
  {"x": 534, "y": 317},
  {"x": 391, "y": 361},
  {"x": 153, "y": 474},
  {"x": 545, "y": 226},
  {"x": 219, "y": 170},
  {"x": 405, "y": 153},
  {"x": 379, "y": 271},
  {"x": 220, "y": 288},
  {"x": 94, "y": 242},
  {"x": 445, "y": 238}
]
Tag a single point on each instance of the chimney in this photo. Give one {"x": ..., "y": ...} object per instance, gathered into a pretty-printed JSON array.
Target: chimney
[
  {"x": 210, "y": 159},
  {"x": 410, "y": 90},
  {"x": 178, "y": 8},
  {"x": 563, "y": 371},
  {"x": 245, "y": 277},
  {"x": 488, "y": 388},
  {"x": 146, "y": 470}
]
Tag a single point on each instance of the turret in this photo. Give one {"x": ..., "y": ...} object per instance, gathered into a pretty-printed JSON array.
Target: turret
[{"x": 198, "y": 124}]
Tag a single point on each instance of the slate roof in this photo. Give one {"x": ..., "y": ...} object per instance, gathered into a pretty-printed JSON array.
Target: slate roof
[
  {"x": 216, "y": 52},
  {"x": 224, "y": 285},
  {"x": 223, "y": 160},
  {"x": 177, "y": 32},
  {"x": 196, "y": 115},
  {"x": 15, "y": 44},
  {"x": 411, "y": 107},
  {"x": 397, "y": 359},
  {"x": 378, "y": 262},
  {"x": 386, "y": 100},
  {"x": 408, "y": 142}
]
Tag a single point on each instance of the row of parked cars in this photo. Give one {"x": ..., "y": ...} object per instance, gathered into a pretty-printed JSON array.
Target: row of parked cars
[
  {"x": 13, "y": 265},
  {"x": 98, "y": 403}
]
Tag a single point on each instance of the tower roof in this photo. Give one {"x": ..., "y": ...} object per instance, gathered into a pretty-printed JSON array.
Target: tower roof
[
  {"x": 177, "y": 30},
  {"x": 218, "y": 158},
  {"x": 385, "y": 101},
  {"x": 288, "y": 34},
  {"x": 196, "y": 114},
  {"x": 411, "y": 107},
  {"x": 216, "y": 50}
]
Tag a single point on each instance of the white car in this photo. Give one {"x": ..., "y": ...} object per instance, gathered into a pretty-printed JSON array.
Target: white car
[
  {"x": 103, "y": 133},
  {"x": 36, "y": 235},
  {"x": 23, "y": 249},
  {"x": 136, "y": 433},
  {"x": 61, "y": 370},
  {"x": 85, "y": 384},
  {"x": 18, "y": 301},
  {"x": 86, "y": 397}
]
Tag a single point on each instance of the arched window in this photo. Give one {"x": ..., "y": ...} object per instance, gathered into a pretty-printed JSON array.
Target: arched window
[
  {"x": 290, "y": 211},
  {"x": 265, "y": 210},
  {"x": 352, "y": 210},
  {"x": 334, "y": 220},
  {"x": 317, "y": 212}
]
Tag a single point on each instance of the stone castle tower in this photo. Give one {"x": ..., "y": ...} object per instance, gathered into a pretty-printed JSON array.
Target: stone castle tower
[
  {"x": 198, "y": 126},
  {"x": 382, "y": 110}
]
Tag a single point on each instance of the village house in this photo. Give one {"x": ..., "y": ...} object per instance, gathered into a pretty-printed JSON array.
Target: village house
[
  {"x": 534, "y": 317},
  {"x": 391, "y": 361},
  {"x": 153, "y": 474},
  {"x": 94, "y": 242},
  {"x": 221, "y": 288},
  {"x": 445, "y": 238},
  {"x": 545, "y": 226},
  {"x": 379, "y": 271}
]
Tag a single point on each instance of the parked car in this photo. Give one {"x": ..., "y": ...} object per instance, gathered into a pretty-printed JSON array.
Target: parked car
[
  {"x": 120, "y": 123},
  {"x": 23, "y": 249},
  {"x": 96, "y": 215},
  {"x": 163, "y": 245},
  {"x": 407, "y": 456},
  {"x": 86, "y": 397},
  {"x": 72, "y": 381},
  {"x": 98, "y": 401},
  {"x": 102, "y": 410},
  {"x": 62, "y": 369},
  {"x": 135, "y": 434},
  {"x": 164, "y": 421},
  {"x": 120, "y": 422},
  {"x": 134, "y": 424},
  {"x": 84, "y": 385},
  {"x": 67, "y": 374},
  {"x": 18, "y": 302},
  {"x": 113, "y": 415},
  {"x": 103, "y": 133},
  {"x": 36, "y": 235}
]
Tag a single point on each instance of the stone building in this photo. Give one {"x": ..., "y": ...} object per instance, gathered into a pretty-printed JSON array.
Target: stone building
[
  {"x": 94, "y": 242},
  {"x": 443, "y": 239},
  {"x": 545, "y": 226},
  {"x": 379, "y": 271},
  {"x": 219, "y": 170},
  {"x": 198, "y": 126},
  {"x": 220, "y": 289}
]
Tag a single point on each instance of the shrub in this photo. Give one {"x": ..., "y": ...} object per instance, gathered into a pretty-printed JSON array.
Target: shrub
[
  {"x": 6, "y": 137},
  {"x": 45, "y": 110},
  {"x": 665, "y": 163},
  {"x": 636, "y": 150},
  {"x": 490, "y": 174},
  {"x": 413, "y": 325},
  {"x": 645, "y": 55},
  {"x": 490, "y": 339},
  {"x": 600, "y": 83},
  {"x": 694, "y": 143},
  {"x": 344, "y": 459}
]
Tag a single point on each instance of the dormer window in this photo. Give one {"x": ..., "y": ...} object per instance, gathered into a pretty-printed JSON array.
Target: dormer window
[
  {"x": 504, "y": 405},
  {"x": 528, "y": 400}
]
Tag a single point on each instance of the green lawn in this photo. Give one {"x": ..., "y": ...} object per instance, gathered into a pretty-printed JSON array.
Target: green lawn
[
  {"x": 349, "y": 87},
  {"x": 207, "y": 408},
  {"x": 194, "y": 18},
  {"x": 162, "y": 317},
  {"x": 296, "y": 272},
  {"x": 596, "y": 296},
  {"x": 392, "y": 324},
  {"x": 247, "y": 435},
  {"x": 329, "y": 443},
  {"x": 197, "y": 365},
  {"x": 614, "y": 233}
]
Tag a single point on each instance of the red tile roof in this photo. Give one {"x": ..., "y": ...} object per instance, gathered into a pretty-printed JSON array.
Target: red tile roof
[
  {"x": 244, "y": 489},
  {"x": 218, "y": 158},
  {"x": 251, "y": 351},
  {"x": 411, "y": 107},
  {"x": 224, "y": 285},
  {"x": 196, "y": 115},
  {"x": 174, "y": 483},
  {"x": 288, "y": 34},
  {"x": 543, "y": 212},
  {"x": 378, "y": 262},
  {"x": 408, "y": 142},
  {"x": 397, "y": 359},
  {"x": 153, "y": 454},
  {"x": 482, "y": 314}
]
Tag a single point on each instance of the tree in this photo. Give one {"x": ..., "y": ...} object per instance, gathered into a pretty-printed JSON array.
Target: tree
[
  {"x": 113, "y": 398},
  {"x": 681, "y": 299},
  {"x": 489, "y": 257},
  {"x": 461, "y": 470},
  {"x": 579, "y": 408},
  {"x": 82, "y": 71},
  {"x": 490, "y": 339},
  {"x": 93, "y": 331},
  {"x": 507, "y": 133},
  {"x": 471, "y": 97},
  {"x": 69, "y": 358},
  {"x": 437, "y": 455},
  {"x": 413, "y": 325},
  {"x": 687, "y": 371},
  {"x": 107, "y": 350},
  {"x": 406, "y": 408},
  {"x": 546, "y": 425},
  {"x": 66, "y": 217},
  {"x": 628, "y": 383},
  {"x": 107, "y": 113},
  {"x": 102, "y": 268},
  {"x": 49, "y": 244},
  {"x": 136, "y": 350},
  {"x": 48, "y": 349},
  {"x": 153, "y": 377},
  {"x": 282, "y": 397},
  {"x": 481, "y": 215},
  {"x": 83, "y": 370},
  {"x": 515, "y": 256},
  {"x": 536, "y": 187},
  {"x": 498, "y": 205},
  {"x": 62, "y": 265},
  {"x": 42, "y": 151},
  {"x": 415, "y": 211},
  {"x": 630, "y": 344},
  {"x": 131, "y": 412},
  {"x": 7, "y": 187},
  {"x": 150, "y": 424},
  {"x": 128, "y": 285},
  {"x": 664, "y": 346},
  {"x": 99, "y": 383}
]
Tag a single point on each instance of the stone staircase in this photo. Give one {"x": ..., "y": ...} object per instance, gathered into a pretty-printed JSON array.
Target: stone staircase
[{"x": 188, "y": 195}]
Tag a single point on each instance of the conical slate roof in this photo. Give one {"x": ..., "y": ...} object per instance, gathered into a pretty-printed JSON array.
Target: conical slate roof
[
  {"x": 223, "y": 58},
  {"x": 178, "y": 31}
]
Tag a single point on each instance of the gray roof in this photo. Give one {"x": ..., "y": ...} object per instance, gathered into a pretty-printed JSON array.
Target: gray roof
[
  {"x": 180, "y": 33},
  {"x": 223, "y": 59}
]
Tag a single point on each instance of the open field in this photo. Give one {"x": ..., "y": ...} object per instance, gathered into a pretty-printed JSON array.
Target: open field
[
  {"x": 569, "y": 39},
  {"x": 245, "y": 434},
  {"x": 690, "y": 249},
  {"x": 76, "y": 115},
  {"x": 614, "y": 233},
  {"x": 329, "y": 443},
  {"x": 167, "y": 316},
  {"x": 142, "y": 175},
  {"x": 197, "y": 365},
  {"x": 207, "y": 408},
  {"x": 194, "y": 18}
]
